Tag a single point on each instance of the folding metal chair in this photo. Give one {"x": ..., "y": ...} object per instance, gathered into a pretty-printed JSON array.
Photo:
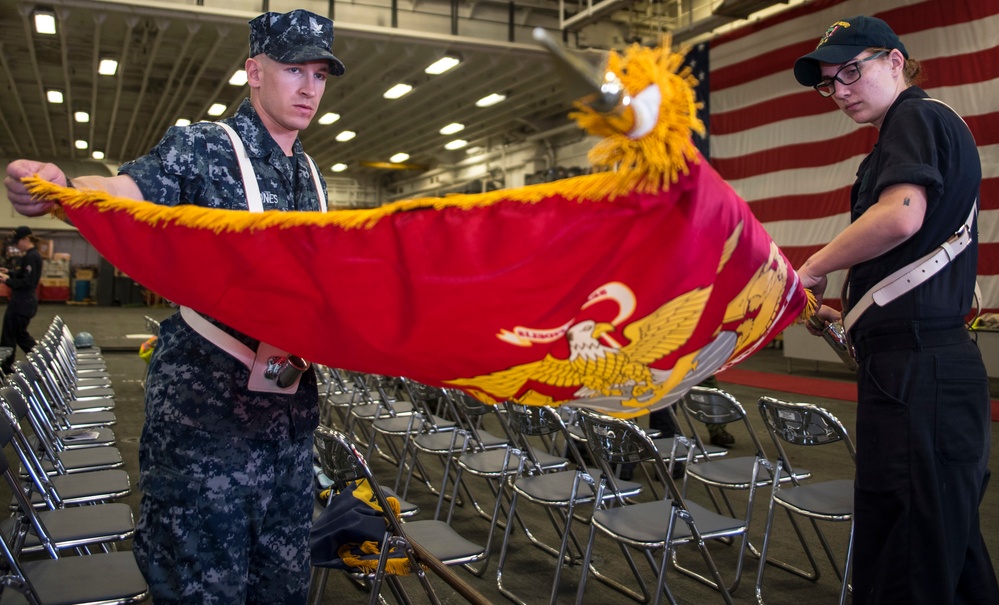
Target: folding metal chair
[
  {"x": 707, "y": 406},
  {"x": 60, "y": 490},
  {"x": 337, "y": 396},
  {"x": 558, "y": 491},
  {"x": 53, "y": 460},
  {"x": 436, "y": 542},
  {"x": 430, "y": 433},
  {"x": 805, "y": 424},
  {"x": 374, "y": 398},
  {"x": 77, "y": 527},
  {"x": 53, "y": 430},
  {"x": 54, "y": 409},
  {"x": 494, "y": 465},
  {"x": 650, "y": 526},
  {"x": 70, "y": 397},
  {"x": 106, "y": 578},
  {"x": 55, "y": 354}
]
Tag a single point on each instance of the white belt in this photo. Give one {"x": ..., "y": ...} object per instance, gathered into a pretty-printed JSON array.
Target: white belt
[
  {"x": 218, "y": 337},
  {"x": 915, "y": 273}
]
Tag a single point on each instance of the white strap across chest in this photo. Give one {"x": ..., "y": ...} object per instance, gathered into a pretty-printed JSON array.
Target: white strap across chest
[
  {"x": 253, "y": 199},
  {"x": 254, "y": 202},
  {"x": 915, "y": 273}
]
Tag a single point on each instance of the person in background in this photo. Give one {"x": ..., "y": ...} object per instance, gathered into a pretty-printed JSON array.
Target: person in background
[
  {"x": 226, "y": 454},
  {"x": 23, "y": 300},
  {"x": 923, "y": 428}
]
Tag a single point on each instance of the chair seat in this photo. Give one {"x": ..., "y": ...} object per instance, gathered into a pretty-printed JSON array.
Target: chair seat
[
  {"x": 81, "y": 525},
  {"x": 489, "y": 441},
  {"x": 86, "y": 438},
  {"x": 398, "y": 425},
  {"x": 490, "y": 462},
  {"x": 830, "y": 500},
  {"x": 632, "y": 523},
  {"x": 93, "y": 391},
  {"x": 665, "y": 446},
  {"x": 555, "y": 489},
  {"x": 86, "y": 420},
  {"x": 92, "y": 382},
  {"x": 97, "y": 578},
  {"x": 368, "y": 410},
  {"x": 734, "y": 473},
  {"x": 82, "y": 488},
  {"x": 439, "y": 442},
  {"x": 91, "y": 404},
  {"x": 406, "y": 508},
  {"x": 442, "y": 541},
  {"x": 86, "y": 460}
]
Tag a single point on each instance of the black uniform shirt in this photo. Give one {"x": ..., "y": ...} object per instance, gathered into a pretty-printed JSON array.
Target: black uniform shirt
[
  {"x": 23, "y": 282},
  {"x": 924, "y": 143}
]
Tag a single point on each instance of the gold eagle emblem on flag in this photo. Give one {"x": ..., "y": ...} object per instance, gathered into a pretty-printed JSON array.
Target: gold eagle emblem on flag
[{"x": 599, "y": 370}]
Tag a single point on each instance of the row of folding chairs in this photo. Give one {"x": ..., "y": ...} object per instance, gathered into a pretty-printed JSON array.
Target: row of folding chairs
[
  {"x": 62, "y": 540},
  {"x": 564, "y": 461}
]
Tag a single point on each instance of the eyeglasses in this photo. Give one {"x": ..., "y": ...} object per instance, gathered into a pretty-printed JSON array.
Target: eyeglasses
[{"x": 848, "y": 74}]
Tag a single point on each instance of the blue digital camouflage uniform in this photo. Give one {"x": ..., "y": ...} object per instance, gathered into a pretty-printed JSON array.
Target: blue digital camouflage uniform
[{"x": 225, "y": 472}]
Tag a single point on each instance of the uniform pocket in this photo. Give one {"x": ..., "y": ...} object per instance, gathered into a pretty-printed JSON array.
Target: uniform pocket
[
  {"x": 171, "y": 487},
  {"x": 962, "y": 407}
]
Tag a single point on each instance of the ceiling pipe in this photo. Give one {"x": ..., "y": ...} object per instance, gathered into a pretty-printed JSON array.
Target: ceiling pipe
[
  {"x": 95, "y": 80},
  {"x": 591, "y": 14},
  {"x": 156, "y": 129},
  {"x": 161, "y": 26},
  {"x": 3, "y": 119},
  {"x": 179, "y": 101},
  {"x": 130, "y": 23},
  {"x": 63, "y": 17},
  {"x": 26, "y": 11},
  {"x": 216, "y": 93}
]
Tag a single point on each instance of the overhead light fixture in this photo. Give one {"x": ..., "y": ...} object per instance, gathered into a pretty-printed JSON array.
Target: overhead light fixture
[
  {"x": 489, "y": 100},
  {"x": 474, "y": 150},
  {"x": 338, "y": 167},
  {"x": 107, "y": 67},
  {"x": 399, "y": 158},
  {"x": 345, "y": 136},
  {"x": 97, "y": 155},
  {"x": 397, "y": 91},
  {"x": 452, "y": 128},
  {"x": 182, "y": 122},
  {"x": 238, "y": 78},
  {"x": 328, "y": 118},
  {"x": 216, "y": 109},
  {"x": 54, "y": 96},
  {"x": 81, "y": 144},
  {"x": 442, "y": 65},
  {"x": 81, "y": 117},
  {"x": 455, "y": 144},
  {"x": 45, "y": 22}
]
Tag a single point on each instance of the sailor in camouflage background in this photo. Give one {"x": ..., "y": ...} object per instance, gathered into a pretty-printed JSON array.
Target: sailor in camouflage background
[{"x": 226, "y": 470}]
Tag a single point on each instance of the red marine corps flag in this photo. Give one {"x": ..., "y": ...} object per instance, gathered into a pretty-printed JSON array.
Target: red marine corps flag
[{"x": 621, "y": 288}]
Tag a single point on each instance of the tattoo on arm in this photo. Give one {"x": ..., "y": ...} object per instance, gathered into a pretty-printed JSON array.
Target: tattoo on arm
[{"x": 905, "y": 202}]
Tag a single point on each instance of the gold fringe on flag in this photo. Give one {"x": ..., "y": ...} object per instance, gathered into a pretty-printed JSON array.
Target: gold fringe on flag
[{"x": 648, "y": 164}]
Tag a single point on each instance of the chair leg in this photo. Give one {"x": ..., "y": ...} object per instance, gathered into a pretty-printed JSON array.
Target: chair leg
[
  {"x": 565, "y": 533},
  {"x": 814, "y": 576},
  {"x": 848, "y": 566}
]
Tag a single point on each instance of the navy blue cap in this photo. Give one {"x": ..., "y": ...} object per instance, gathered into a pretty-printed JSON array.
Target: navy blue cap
[
  {"x": 20, "y": 233},
  {"x": 843, "y": 41},
  {"x": 296, "y": 37}
]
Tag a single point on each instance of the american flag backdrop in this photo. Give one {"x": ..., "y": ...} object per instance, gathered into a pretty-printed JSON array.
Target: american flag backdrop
[{"x": 793, "y": 155}]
